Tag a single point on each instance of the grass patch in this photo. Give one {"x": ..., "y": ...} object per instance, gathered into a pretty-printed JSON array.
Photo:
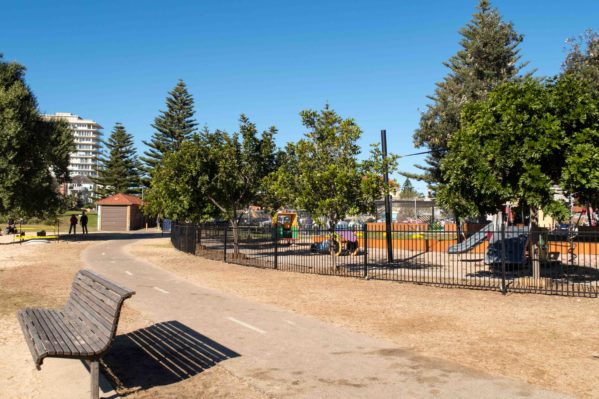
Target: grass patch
[
  {"x": 64, "y": 223},
  {"x": 13, "y": 300}
]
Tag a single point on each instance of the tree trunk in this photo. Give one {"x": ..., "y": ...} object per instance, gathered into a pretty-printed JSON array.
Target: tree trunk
[
  {"x": 458, "y": 230},
  {"x": 535, "y": 250},
  {"x": 235, "y": 226}
]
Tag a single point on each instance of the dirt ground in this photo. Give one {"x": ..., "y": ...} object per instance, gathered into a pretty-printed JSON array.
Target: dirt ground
[
  {"x": 40, "y": 275},
  {"x": 552, "y": 342}
]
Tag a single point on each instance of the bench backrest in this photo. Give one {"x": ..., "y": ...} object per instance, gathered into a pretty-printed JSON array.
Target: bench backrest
[{"x": 95, "y": 305}]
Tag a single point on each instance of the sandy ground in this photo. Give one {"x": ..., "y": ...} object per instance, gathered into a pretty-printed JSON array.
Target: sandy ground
[
  {"x": 552, "y": 342},
  {"x": 40, "y": 275}
]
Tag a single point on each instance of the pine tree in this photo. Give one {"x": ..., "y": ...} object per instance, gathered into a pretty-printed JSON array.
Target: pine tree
[
  {"x": 34, "y": 151},
  {"x": 408, "y": 191},
  {"x": 583, "y": 58},
  {"x": 489, "y": 56},
  {"x": 172, "y": 127},
  {"x": 120, "y": 172}
]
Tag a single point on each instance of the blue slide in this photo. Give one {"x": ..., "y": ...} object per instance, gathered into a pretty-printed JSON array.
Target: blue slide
[{"x": 472, "y": 241}]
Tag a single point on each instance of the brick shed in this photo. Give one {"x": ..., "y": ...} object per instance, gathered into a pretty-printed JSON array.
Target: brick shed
[{"x": 120, "y": 212}]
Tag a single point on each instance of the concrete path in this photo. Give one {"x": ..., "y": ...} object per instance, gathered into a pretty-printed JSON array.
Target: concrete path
[{"x": 292, "y": 356}]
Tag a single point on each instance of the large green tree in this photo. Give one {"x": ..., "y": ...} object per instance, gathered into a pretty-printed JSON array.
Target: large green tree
[
  {"x": 172, "y": 127},
  {"x": 34, "y": 151},
  {"x": 215, "y": 173},
  {"x": 408, "y": 191},
  {"x": 119, "y": 172},
  {"x": 521, "y": 142},
  {"x": 581, "y": 172},
  {"x": 577, "y": 103},
  {"x": 322, "y": 173},
  {"x": 489, "y": 56},
  {"x": 583, "y": 58}
]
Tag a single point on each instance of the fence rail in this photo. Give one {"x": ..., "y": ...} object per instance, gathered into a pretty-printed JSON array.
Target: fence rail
[{"x": 507, "y": 259}]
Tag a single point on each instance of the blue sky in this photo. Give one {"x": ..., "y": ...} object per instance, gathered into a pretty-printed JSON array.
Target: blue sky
[{"x": 375, "y": 61}]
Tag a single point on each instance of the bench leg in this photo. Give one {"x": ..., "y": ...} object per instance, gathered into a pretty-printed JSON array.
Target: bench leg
[{"x": 94, "y": 370}]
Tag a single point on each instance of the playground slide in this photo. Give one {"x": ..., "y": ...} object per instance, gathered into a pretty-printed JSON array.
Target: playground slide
[
  {"x": 516, "y": 240},
  {"x": 472, "y": 241}
]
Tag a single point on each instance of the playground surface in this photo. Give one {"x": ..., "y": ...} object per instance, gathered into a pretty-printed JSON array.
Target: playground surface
[{"x": 550, "y": 342}]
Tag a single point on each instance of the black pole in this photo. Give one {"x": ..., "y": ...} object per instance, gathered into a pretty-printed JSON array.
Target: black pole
[
  {"x": 225, "y": 246},
  {"x": 276, "y": 237},
  {"x": 503, "y": 286},
  {"x": 387, "y": 199},
  {"x": 365, "y": 238}
]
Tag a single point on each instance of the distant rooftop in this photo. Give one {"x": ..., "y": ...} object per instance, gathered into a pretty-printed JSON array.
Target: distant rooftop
[
  {"x": 72, "y": 118},
  {"x": 120, "y": 199}
]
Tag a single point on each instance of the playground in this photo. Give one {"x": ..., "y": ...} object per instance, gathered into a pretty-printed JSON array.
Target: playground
[{"x": 488, "y": 258}]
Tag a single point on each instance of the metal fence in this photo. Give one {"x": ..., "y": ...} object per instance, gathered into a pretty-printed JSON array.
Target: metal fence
[{"x": 510, "y": 259}]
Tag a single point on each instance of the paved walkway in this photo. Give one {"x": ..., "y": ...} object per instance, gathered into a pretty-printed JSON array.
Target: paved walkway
[{"x": 288, "y": 355}]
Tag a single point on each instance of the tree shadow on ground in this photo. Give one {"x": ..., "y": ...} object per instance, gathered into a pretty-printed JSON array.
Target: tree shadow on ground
[
  {"x": 161, "y": 354},
  {"x": 558, "y": 271}
]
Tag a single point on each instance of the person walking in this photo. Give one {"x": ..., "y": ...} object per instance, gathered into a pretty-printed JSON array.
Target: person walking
[
  {"x": 73, "y": 227},
  {"x": 83, "y": 220}
]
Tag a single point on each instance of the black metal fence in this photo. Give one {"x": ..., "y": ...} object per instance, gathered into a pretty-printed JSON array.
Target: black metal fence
[{"x": 510, "y": 259}]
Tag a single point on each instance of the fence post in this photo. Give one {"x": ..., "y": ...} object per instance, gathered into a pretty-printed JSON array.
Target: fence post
[
  {"x": 225, "y": 246},
  {"x": 276, "y": 236},
  {"x": 200, "y": 234},
  {"x": 365, "y": 237},
  {"x": 503, "y": 286}
]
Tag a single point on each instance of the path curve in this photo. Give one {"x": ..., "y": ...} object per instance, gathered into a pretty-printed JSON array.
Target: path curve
[{"x": 292, "y": 356}]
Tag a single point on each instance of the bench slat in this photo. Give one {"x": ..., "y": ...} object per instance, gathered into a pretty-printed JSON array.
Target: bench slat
[
  {"x": 92, "y": 311},
  {"x": 98, "y": 306},
  {"x": 59, "y": 324},
  {"x": 95, "y": 322},
  {"x": 121, "y": 291},
  {"x": 35, "y": 346},
  {"x": 85, "y": 329},
  {"x": 48, "y": 331},
  {"x": 83, "y": 347},
  {"x": 108, "y": 305},
  {"x": 90, "y": 284},
  {"x": 39, "y": 331}
]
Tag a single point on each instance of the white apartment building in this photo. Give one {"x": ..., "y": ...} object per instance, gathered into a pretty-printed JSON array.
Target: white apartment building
[{"x": 84, "y": 161}]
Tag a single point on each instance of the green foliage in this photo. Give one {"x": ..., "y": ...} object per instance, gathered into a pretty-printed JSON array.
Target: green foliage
[
  {"x": 408, "y": 191},
  {"x": 120, "y": 172},
  {"x": 577, "y": 105},
  {"x": 506, "y": 151},
  {"x": 215, "y": 173},
  {"x": 321, "y": 173},
  {"x": 177, "y": 192},
  {"x": 172, "y": 127},
  {"x": 488, "y": 57},
  {"x": 517, "y": 145},
  {"x": 583, "y": 58},
  {"x": 35, "y": 151}
]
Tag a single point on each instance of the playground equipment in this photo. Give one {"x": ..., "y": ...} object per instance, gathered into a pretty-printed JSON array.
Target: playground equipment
[
  {"x": 286, "y": 224},
  {"x": 340, "y": 242},
  {"x": 472, "y": 241},
  {"x": 516, "y": 244}
]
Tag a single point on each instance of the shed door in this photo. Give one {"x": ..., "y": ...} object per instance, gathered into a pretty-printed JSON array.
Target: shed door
[{"x": 114, "y": 218}]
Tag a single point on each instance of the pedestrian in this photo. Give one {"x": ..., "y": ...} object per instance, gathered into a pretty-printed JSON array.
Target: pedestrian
[
  {"x": 73, "y": 227},
  {"x": 83, "y": 220}
]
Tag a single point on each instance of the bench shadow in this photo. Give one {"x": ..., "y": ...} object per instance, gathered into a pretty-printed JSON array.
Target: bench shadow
[{"x": 161, "y": 354}]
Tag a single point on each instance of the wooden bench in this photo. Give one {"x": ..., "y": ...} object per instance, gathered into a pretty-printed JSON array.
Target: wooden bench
[{"x": 83, "y": 329}]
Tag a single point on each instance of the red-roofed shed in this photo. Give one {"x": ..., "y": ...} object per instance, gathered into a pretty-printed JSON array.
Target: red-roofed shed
[{"x": 120, "y": 212}]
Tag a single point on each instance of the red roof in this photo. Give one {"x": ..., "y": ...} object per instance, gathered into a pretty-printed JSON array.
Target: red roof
[{"x": 121, "y": 199}]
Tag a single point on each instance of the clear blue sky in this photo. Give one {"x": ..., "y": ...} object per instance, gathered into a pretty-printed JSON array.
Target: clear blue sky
[{"x": 375, "y": 61}]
